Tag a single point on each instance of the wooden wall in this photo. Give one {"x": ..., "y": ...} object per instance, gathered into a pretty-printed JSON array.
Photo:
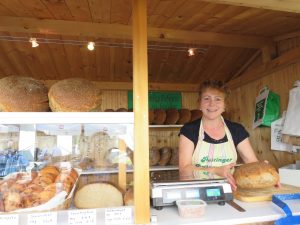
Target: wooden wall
[{"x": 241, "y": 107}]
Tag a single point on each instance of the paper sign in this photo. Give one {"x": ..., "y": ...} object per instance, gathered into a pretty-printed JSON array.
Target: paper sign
[
  {"x": 12, "y": 219},
  {"x": 82, "y": 217},
  {"x": 114, "y": 216},
  {"x": 47, "y": 218}
]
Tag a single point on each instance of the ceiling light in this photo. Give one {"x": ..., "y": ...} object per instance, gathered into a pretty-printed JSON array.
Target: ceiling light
[
  {"x": 191, "y": 51},
  {"x": 34, "y": 43},
  {"x": 91, "y": 46}
]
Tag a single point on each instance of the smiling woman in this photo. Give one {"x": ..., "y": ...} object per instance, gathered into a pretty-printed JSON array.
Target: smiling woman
[{"x": 210, "y": 144}]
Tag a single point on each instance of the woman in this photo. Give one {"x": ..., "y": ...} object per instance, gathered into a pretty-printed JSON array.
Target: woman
[{"x": 208, "y": 145}]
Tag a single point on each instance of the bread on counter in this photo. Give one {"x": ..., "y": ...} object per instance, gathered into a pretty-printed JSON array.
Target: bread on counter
[
  {"x": 256, "y": 175},
  {"x": 74, "y": 95},
  {"x": 98, "y": 195},
  {"x": 23, "y": 94}
]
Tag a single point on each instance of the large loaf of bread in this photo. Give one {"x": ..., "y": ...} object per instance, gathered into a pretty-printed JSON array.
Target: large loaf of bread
[
  {"x": 74, "y": 95},
  {"x": 98, "y": 195},
  {"x": 256, "y": 175},
  {"x": 23, "y": 94}
]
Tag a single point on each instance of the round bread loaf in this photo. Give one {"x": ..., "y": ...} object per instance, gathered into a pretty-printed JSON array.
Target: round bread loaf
[
  {"x": 74, "y": 95},
  {"x": 172, "y": 116},
  {"x": 195, "y": 114},
  {"x": 165, "y": 156},
  {"x": 184, "y": 116},
  {"x": 122, "y": 110},
  {"x": 23, "y": 94},
  {"x": 159, "y": 116},
  {"x": 154, "y": 156},
  {"x": 98, "y": 195},
  {"x": 256, "y": 175},
  {"x": 151, "y": 116}
]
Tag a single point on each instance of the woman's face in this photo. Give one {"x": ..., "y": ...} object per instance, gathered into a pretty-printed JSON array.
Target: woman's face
[{"x": 212, "y": 103}]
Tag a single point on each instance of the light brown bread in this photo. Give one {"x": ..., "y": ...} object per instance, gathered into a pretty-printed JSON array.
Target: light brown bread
[
  {"x": 159, "y": 116},
  {"x": 172, "y": 116},
  {"x": 74, "y": 95},
  {"x": 98, "y": 195},
  {"x": 256, "y": 175},
  {"x": 23, "y": 94}
]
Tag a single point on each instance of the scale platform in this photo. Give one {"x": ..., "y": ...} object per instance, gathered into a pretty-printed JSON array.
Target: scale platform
[{"x": 165, "y": 193}]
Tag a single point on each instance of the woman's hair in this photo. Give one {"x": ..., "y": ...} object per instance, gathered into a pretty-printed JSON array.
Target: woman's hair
[{"x": 214, "y": 84}]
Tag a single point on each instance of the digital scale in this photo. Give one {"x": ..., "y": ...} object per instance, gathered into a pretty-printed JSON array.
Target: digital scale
[{"x": 165, "y": 193}]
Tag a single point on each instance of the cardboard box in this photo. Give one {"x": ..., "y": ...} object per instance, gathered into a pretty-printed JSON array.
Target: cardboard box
[{"x": 290, "y": 174}]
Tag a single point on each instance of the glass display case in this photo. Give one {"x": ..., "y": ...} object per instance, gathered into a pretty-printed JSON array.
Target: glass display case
[{"x": 56, "y": 161}]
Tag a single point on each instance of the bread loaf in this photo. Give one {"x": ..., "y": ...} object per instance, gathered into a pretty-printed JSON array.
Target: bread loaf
[
  {"x": 195, "y": 114},
  {"x": 159, "y": 116},
  {"x": 184, "y": 116},
  {"x": 74, "y": 95},
  {"x": 98, "y": 195},
  {"x": 23, "y": 94},
  {"x": 172, "y": 116},
  {"x": 256, "y": 175},
  {"x": 154, "y": 156},
  {"x": 165, "y": 156},
  {"x": 151, "y": 116},
  {"x": 175, "y": 157}
]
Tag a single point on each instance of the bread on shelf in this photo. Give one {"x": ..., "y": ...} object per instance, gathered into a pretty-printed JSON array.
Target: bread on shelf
[
  {"x": 98, "y": 195},
  {"x": 23, "y": 94},
  {"x": 74, "y": 95}
]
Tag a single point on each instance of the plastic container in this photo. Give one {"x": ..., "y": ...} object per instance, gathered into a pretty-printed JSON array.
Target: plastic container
[{"x": 191, "y": 208}]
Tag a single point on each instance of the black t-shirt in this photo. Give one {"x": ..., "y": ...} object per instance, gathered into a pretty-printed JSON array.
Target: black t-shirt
[{"x": 191, "y": 131}]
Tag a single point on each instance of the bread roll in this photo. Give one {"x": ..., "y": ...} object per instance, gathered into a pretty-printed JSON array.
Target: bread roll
[
  {"x": 172, "y": 116},
  {"x": 98, "y": 195},
  {"x": 154, "y": 156},
  {"x": 256, "y": 175},
  {"x": 184, "y": 116},
  {"x": 159, "y": 116},
  {"x": 23, "y": 94},
  {"x": 74, "y": 95}
]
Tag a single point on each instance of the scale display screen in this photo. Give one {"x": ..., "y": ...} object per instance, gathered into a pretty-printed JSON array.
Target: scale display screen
[{"x": 213, "y": 192}]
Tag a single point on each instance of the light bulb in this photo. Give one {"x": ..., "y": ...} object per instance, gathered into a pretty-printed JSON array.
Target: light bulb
[
  {"x": 34, "y": 42},
  {"x": 191, "y": 52},
  {"x": 91, "y": 46}
]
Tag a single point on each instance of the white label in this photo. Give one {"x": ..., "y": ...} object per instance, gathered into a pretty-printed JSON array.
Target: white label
[
  {"x": 47, "y": 218},
  {"x": 114, "y": 216},
  {"x": 84, "y": 217},
  {"x": 12, "y": 219}
]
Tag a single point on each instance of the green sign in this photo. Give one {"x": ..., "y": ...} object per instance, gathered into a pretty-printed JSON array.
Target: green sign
[{"x": 160, "y": 100}]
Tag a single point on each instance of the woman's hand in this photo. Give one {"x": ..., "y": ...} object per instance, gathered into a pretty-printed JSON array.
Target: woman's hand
[{"x": 225, "y": 171}]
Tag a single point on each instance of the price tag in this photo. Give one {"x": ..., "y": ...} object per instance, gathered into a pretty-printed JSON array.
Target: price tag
[
  {"x": 120, "y": 215},
  {"x": 82, "y": 217},
  {"x": 47, "y": 218},
  {"x": 12, "y": 219}
]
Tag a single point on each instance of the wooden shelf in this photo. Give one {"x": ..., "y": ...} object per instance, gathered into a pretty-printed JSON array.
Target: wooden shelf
[
  {"x": 129, "y": 170},
  {"x": 166, "y": 126}
]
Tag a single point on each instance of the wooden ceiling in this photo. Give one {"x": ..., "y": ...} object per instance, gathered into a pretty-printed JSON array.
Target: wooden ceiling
[{"x": 227, "y": 34}]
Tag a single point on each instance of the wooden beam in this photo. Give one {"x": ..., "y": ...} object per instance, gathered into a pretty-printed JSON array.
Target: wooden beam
[
  {"x": 277, "y": 5},
  {"x": 265, "y": 69},
  {"x": 128, "y": 86},
  {"x": 140, "y": 108},
  {"x": 124, "y": 32},
  {"x": 287, "y": 36}
]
